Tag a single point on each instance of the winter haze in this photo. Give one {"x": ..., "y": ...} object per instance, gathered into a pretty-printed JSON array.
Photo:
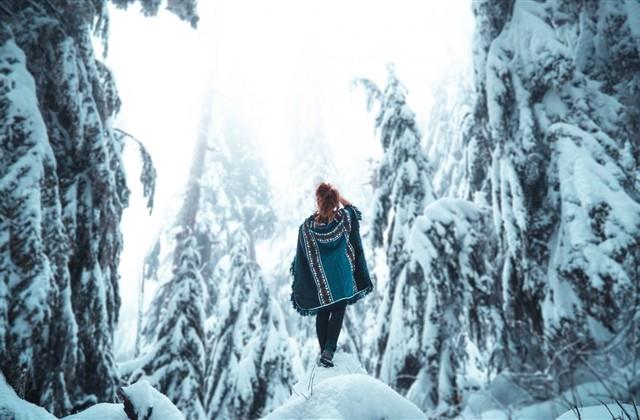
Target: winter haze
[
  {"x": 247, "y": 54},
  {"x": 158, "y": 159}
]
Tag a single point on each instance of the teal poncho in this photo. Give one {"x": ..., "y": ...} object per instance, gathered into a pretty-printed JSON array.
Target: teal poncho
[{"x": 329, "y": 265}]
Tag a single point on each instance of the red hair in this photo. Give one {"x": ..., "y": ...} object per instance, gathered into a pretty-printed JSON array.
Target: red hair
[{"x": 327, "y": 197}]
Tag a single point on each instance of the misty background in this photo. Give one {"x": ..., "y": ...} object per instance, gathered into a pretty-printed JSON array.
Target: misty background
[{"x": 275, "y": 66}]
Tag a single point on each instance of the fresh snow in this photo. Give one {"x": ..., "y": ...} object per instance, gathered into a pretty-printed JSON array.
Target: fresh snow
[
  {"x": 599, "y": 412},
  {"x": 143, "y": 396},
  {"x": 344, "y": 391},
  {"x": 13, "y": 407},
  {"x": 102, "y": 411},
  {"x": 145, "y": 400}
]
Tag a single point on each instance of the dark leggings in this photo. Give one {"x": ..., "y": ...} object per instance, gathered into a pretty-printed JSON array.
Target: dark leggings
[{"x": 328, "y": 325}]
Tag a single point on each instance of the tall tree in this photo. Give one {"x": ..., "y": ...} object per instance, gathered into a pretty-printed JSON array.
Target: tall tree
[
  {"x": 246, "y": 185},
  {"x": 312, "y": 162},
  {"x": 249, "y": 365},
  {"x": 174, "y": 329},
  {"x": 196, "y": 194},
  {"x": 228, "y": 208},
  {"x": 449, "y": 124},
  {"x": 403, "y": 189},
  {"x": 175, "y": 364},
  {"x": 63, "y": 195},
  {"x": 37, "y": 323},
  {"x": 450, "y": 270},
  {"x": 554, "y": 108}
]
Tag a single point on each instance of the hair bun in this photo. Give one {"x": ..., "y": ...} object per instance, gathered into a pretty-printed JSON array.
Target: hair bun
[{"x": 327, "y": 197}]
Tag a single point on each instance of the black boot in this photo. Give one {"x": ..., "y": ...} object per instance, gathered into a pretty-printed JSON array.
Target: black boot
[{"x": 326, "y": 358}]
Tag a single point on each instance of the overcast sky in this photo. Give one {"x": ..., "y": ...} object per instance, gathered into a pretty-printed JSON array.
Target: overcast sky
[{"x": 263, "y": 58}]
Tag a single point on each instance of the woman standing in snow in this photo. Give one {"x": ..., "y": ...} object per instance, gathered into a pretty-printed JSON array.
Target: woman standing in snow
[{"x": 329, "y": 269}]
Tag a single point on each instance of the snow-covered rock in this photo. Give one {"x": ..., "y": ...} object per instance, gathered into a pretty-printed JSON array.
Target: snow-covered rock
[
  {"x": 344, "y": 391},
  {"x": 141, "y": 400},
  {"x": 103, "y": 411},
  {"x": 144, "y": 400}
]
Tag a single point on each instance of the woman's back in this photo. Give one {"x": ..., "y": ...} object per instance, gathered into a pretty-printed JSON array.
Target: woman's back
[{"x": 329, "y": 269}]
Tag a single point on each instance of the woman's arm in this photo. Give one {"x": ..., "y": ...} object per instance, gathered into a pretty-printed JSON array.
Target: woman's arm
[{"x": 343, "y": 200}]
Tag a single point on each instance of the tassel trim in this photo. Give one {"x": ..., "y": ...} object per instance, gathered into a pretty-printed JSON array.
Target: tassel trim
[
  {"x": 292, "y": 270},
  {"x": 356, "y": 211},
  {"x": 353, "y": 299}
]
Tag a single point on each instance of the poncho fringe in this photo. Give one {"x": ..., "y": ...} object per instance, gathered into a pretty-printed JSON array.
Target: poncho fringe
[{"x": 354, "y": 299}]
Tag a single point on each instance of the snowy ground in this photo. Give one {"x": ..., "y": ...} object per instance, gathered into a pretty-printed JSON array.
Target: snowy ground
[
  {"x": 147, "y": 402},
  {"x": 601, "y": 412},
  {"x": 12, "y": 407},
  {"x": 504, "y": 399},
  {"x": 344, "y": 391}
]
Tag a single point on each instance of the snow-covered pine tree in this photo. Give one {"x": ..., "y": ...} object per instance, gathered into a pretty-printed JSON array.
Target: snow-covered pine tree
[
  {"x": 234, "y": 191},
  {"x": 403, "y": 191},
  {"x": 175, "y": 363},
  {"x": 312, "y": 162},
  {"x": 446, "y": 133},
  {"x": 249, "y": 365},
  {"x": 557, "y": 106},
  {"x": 227, "y": 185},
  {"x": 149, "y": 271},
  {"x": 203, "y": 197},
  {"x": 448, "y": 293},
  {"x": 61, "y": 238},
  {"x": 37, "y": 324},
  {"x": 227, "y": 192},
  {"x": 189, "y": 218},
  {"x": 246, "y": 185}
]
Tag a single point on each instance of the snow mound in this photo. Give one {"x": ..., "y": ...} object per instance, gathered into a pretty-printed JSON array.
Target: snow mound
[
  {"x": 103, "y": 411},
  {"x": 345, "y": 364},
  {"x": 344, "y": 391},
  {"x": 145, "y": 399},
  {"x": 14, "y": 407},
  {"x": 141, "y": 400},
  {"x": 598, "y": 412}
]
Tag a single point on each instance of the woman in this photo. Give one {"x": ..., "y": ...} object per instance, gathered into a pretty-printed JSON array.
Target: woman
[{"x": 329, "y": 269}]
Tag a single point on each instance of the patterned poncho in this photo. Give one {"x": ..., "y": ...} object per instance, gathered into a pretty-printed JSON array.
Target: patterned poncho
[{"x": 329, "y": 265}]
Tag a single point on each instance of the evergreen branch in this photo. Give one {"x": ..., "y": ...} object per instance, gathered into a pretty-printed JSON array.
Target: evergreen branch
[
  {"x": 148, "y": 174},
  {"x": 39, "y": 7},
  {"x": 54, "y": 11},
  {"x": 372, "y": 91},
  {"x": 6, "y": 10}
]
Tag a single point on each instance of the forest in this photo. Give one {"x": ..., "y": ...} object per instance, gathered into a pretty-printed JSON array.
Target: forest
[{"x": 146, "y": 248}]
